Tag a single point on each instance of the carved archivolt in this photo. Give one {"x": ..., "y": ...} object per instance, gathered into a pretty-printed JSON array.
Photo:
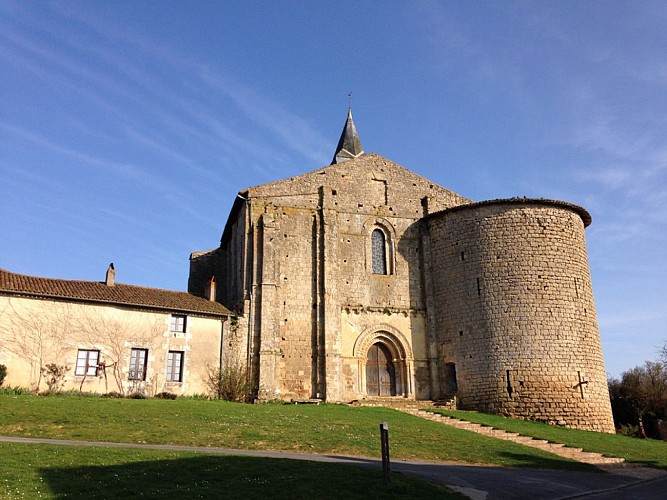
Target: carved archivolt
[
  {"x": 381, "y": 222},
  {"x": 395, "y": 341}
]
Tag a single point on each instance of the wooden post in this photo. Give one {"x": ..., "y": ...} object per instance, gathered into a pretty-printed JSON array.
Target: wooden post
[{"x": 384, "y": 440}]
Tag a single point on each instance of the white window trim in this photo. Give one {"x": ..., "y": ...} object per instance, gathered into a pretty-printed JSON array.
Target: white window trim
[{"x": 87, "y": 368}]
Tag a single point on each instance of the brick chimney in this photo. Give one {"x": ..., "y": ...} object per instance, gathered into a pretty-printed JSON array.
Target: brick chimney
[
  {"x": 111, "y": 276},
  {"x": 209, "y": 291}
]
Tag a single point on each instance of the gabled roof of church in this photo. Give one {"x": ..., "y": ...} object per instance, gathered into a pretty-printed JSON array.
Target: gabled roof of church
[
  {"x": 350, "y": 166},
  {"x": 368, "y": 165},
  {"x": 349, "y": 144},
  {"x": 100, "y": 292}
]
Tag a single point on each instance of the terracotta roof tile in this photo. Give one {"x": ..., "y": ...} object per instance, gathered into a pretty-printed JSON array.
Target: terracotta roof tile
[{"x": 95, "y": 291}]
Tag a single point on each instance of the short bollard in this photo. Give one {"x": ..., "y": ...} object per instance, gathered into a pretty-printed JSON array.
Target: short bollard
[{"x": 384, "y": 440}]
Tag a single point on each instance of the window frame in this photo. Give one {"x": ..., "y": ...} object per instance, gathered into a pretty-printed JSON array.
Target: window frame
[
  {"x": 87, "y": 368},
  {"x": 379, "y": 252},
  {"x": 178, "y": 323},
  {"x": 137, "y": 360},
  {"x": 174, "y": 372}
]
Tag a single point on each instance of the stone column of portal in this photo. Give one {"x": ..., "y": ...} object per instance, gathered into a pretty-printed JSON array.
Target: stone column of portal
[
  {"x": 269, "y": 347},
  {"x": 330, "y": 311}
]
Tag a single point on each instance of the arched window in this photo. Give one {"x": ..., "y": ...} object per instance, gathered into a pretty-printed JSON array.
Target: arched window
[{"x": 379, "y": 252}]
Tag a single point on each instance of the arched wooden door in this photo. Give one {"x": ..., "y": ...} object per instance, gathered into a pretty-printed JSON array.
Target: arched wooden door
[{"x": 380, "y": 372}]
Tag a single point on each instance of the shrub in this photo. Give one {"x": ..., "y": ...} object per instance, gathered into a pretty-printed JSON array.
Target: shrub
[
  {"x": 165, "y": 395},
  {"x": 113, "y": 394},
  {"x": 54, "y": 376},
  {"x": 628, "y": 430},
  {"x": 198, "y": 396},
  {"x": 15, "y": 391},
  {"x": 231, "y": 383},
  {"x": 3, "y": 373},
  {"x": 137, "y": 395},
  {"x": 78, "y": 394}
]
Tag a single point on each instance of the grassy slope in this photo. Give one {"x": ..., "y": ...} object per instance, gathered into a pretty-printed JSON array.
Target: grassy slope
[
  {"x": 330, "y": 429},
  {"x": 646, "y": 451}
]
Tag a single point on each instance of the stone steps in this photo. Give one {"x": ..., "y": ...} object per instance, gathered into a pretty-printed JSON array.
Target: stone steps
[{"x": 578, "y": 454}]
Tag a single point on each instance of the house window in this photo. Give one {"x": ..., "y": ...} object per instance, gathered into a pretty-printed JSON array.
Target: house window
[
  {"x": 379, "y": 252},
  {"x": 86, "y": 362},
  {"x": 138, "y": 364},
  {"x": 177, "y": 323},
  {"x": 175, "y": 366}
]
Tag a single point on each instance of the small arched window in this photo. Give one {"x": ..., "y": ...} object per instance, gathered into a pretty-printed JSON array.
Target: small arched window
[{"x": 379, "y": 251}]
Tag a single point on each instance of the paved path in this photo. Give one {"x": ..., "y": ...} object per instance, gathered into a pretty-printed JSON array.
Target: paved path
[{"x": 478, "y": 483}]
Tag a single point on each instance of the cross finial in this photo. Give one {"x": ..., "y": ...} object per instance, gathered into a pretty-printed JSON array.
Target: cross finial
[{"x": 349, "y": 100}]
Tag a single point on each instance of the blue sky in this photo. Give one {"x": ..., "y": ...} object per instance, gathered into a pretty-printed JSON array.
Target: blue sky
[{"x": 127, "y": 128}]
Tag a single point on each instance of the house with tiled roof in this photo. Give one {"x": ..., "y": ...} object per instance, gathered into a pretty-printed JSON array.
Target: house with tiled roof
[{"x": 108, "y": 336}]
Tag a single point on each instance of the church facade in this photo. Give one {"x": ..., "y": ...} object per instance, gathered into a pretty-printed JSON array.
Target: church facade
[{"x": 364, "y": 280}]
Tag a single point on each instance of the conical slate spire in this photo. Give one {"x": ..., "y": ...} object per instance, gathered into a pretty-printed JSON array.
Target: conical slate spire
[{"x": 349, "y": 145}]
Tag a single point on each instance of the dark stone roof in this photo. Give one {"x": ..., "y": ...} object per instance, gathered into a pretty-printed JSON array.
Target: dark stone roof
[
  {"x": 99, "y": 292},
  {"x": 583, "y": 213},
  {"x": 349, "y": 144}
]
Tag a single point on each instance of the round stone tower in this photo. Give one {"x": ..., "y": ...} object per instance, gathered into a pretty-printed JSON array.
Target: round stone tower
[{"x": 514, "y": 312}]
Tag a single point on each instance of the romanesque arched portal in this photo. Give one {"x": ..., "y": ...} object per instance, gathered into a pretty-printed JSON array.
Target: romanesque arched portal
[{"x": 385, "y": 361}]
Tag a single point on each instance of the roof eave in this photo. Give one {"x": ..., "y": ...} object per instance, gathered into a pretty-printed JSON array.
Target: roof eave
[{"x": 67, "y": 298}]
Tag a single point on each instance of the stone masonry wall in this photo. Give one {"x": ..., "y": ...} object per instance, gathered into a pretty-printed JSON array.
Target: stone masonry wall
[
  {"x": 515, "y": 315},
  {"x": 310, "y": 253}
]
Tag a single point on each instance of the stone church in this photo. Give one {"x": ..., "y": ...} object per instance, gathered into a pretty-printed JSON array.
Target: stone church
[{"x": 364, "y": 280}]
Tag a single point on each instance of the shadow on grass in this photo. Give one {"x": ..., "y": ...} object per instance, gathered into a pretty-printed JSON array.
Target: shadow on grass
[
  {"x": 212, "y": 476},
  {"x": 532, "y": 462}
]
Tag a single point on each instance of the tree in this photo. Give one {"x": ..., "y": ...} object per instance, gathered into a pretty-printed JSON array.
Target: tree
[{"x": 643, "y": 391}]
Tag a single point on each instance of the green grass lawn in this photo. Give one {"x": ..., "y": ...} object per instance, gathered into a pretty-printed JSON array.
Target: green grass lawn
[
  {"x": 644, "y": 451},
  {"x": 49, "y": 471},
  {"x": 46, "y": 471},
  {"x": 330, "y": 429}
]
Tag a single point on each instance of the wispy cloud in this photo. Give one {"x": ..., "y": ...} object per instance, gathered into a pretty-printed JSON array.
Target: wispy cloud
[
  {"x": 619, "y": 321},
  {"x": 106, "y": 81},
  {"x": 132, "y": 173},
  {"x": 288, "y": 128}
]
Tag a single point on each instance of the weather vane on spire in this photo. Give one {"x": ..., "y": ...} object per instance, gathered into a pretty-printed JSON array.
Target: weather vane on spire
[{"x": 349, "y": 100}]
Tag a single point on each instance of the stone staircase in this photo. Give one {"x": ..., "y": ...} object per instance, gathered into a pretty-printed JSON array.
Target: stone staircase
[
  {"x": 609, "y": 464},
  {"x": 401, "y": 403},
  {"x": 555, "y": 448}
]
